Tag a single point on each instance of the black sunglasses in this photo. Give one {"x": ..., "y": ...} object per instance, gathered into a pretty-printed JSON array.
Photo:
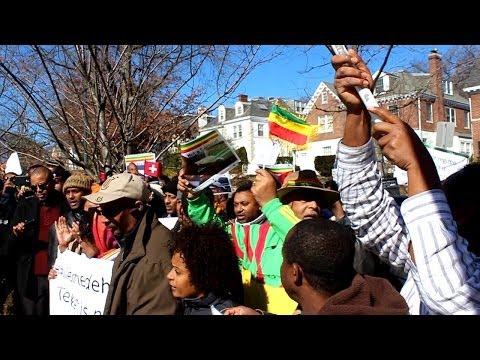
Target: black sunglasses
[
  {"x": 40, "y": 187},
  {"x": 108, "y": 212}
]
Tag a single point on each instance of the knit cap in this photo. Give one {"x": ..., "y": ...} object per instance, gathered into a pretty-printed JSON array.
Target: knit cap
[{"x": 78, "y": 180}]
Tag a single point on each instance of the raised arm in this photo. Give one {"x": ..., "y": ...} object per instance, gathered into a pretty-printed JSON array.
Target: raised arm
[
  {"x": 373, "y": 213},
  {"x": 448, "y": 274}
]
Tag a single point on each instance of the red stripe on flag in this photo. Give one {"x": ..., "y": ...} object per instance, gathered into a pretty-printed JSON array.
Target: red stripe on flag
[{"x": 288, "y": 135}]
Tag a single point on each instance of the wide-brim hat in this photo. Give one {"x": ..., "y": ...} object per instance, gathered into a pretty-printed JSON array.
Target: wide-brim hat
[{"x": 307, "y": 179}]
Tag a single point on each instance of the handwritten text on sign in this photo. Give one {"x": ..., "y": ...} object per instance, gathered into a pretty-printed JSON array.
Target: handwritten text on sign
[{"x": 81, "y": 285}]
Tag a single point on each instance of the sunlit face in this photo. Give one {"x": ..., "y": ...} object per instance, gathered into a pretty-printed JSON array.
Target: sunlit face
[
  {"x": 179, "y": 279},
  {"x": 245, "y": 207},
  {"x": 74, "y": 197},
  {"x": 40, "y": 185},
  {"x": 304, "y": 204}
]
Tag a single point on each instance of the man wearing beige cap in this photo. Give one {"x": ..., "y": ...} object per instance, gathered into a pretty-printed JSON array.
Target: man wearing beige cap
[{"x": 139, "y": 283}]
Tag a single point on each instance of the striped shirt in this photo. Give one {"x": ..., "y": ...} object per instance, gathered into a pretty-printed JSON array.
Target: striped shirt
[{"x": 446, "y": 277}]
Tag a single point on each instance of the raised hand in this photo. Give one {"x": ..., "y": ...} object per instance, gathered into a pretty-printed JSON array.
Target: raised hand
[
  {"x": 401, "y": 145},
  {"x": 351, "y": 71},
  {"x": 64, "y": 235},
  {"x": 264, "y": 187}
]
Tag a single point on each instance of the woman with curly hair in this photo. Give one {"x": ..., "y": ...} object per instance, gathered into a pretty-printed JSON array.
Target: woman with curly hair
[{"x": 205, "y": 270}]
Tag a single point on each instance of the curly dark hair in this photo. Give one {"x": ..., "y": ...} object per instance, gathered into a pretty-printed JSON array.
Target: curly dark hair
[
  {"x": 210, "y": 257},
  {"x": 325, "y": 251}
]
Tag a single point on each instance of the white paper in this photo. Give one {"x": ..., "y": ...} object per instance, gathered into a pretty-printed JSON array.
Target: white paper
[
  {"x": 168, "y": 222},
  {"x": 266, "y": 153}
]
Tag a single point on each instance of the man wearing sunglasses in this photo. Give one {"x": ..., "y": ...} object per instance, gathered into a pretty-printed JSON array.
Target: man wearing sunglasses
[
  {"x": 139, "y": 284},
  {"x": 31, "y": 223}
]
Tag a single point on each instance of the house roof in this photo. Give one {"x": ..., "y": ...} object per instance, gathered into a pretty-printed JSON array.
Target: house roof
[
  {"x": 410, "y": 85},
  {"x": 323, "y": 85}
]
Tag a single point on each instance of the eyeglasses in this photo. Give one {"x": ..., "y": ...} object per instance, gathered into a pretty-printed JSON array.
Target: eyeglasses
[
  {"x": 40, "y": 187},
  {"x": 6, "y": 178},
  {"x": 108, "y": 212}
]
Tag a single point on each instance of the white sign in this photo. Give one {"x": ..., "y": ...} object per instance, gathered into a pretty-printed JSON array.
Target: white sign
[
  {"x": 446, "y": 162},
  {"x": 13, "y": 165},
  {"x": 81, "y": 285},
  {"x": 266, "y": 152}
]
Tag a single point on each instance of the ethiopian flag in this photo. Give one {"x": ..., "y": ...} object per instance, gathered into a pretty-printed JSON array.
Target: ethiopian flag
[
  {"x": 279, "y": 171},
  {"x": 287, "y": 126}
]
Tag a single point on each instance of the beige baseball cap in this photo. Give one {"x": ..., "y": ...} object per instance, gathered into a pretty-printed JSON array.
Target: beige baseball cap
[{"x": 123, "y": 185}]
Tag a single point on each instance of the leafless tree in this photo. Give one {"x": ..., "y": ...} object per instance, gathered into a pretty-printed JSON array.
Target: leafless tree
[{"x": 97, "y": 103}]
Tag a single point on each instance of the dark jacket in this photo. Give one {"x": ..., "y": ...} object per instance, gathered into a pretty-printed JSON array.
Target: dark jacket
[
  {"x": 139, "y": 284},
  {"x": 27, "y": 245},
  {"x": 201, "y": 306}
]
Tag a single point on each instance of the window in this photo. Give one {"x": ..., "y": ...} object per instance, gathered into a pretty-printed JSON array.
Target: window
[
  {"x": 237, "y": 131},
  {"x": 394, "y": 109},
  {"x": 429, "y": 112},
  {"x": 465, "y": 148},
  {"x": 448, "y": 87},
  {"x": 260, "y": 130},
  {"x": 221, "y": 114},
  {"x": 327, "y": 150},
  {"x": 466, "y": 119},
  {"x": 238, "y": 109},
  {"x": 299, "y": 107},
  {"x": 325, "y": 123},
  {"x": 379, "y": 86},
  {"x": 450, "y": 115},
  {"x": 324, "y": 97}
]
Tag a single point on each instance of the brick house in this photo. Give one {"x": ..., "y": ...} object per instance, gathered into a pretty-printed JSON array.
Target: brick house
[
  {"x": 474, "y": 96},
  {"x": 420, "y": 99}
]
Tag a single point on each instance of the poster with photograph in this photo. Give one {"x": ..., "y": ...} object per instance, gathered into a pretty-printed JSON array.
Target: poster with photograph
[
  {"x": 205, "y": 158},
  {"x": 222, "y": 184},
  {"x": 139, "y": 160}
]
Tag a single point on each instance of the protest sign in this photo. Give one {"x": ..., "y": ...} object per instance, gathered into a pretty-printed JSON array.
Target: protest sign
[
  {"x": 447, "y": 162},
  {"x": 205, "y": 158},
  {"x": 266, "y": 153},
  {"x": 139, "y": 160},
  {"x": 81, "y": 285}
]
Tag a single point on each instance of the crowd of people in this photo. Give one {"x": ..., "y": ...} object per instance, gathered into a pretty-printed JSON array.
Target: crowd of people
[{"x": 297, "y": 247}]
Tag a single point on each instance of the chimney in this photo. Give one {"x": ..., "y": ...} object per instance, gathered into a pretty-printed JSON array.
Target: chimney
[
  {"x": 243, "y": 98},
  {"x": 436, "y": 84}
]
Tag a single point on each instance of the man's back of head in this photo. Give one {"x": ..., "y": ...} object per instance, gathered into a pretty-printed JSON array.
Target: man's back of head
[{"x": 325, "y": 251}]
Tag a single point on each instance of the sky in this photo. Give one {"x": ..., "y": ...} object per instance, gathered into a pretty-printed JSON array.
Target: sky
[{"x": 296, "y": 73}]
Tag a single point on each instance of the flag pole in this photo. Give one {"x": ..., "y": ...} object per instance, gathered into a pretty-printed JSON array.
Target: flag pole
[{"x": 294, "y": 159}]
